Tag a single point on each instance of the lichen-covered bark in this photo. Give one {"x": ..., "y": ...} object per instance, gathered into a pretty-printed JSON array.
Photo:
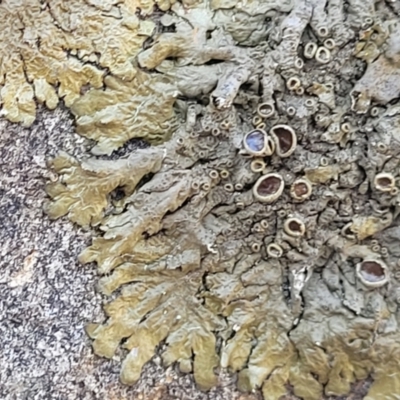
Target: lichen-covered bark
[{"x": 273, "y": 255}]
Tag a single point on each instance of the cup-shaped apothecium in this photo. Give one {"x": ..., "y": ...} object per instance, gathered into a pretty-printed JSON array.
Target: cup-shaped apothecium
[
  {"x": 347, "y": 232},
  {"x": 294, "y": 227},
  {"x": 258, "y": 143},
  {"x": 266, "y": 110},
  {"x": 285, "y": 140},
  {"x": 268, "y": 188},
  {"x": 301, "y": 189},
  {"x": 384, "y": 182},
  {"x": 274, "y": 250},
  {"x": 372, "y": 273}
]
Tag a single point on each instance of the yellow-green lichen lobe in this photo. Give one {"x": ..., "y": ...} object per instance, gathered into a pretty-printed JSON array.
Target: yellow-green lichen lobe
[
  {"x": 141, "y": 108},
  {"x": 52, "y": 51}
]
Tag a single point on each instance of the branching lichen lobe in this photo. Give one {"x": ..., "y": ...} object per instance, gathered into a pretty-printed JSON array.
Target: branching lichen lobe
[
  {"x": 283, "y": 173},
  {"x": 54, "y": 50}
]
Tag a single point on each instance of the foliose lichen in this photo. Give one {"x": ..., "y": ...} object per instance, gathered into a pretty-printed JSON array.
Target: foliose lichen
[
  {"x": 261, "y": 238},
  {"x": 57, "y": 50}
]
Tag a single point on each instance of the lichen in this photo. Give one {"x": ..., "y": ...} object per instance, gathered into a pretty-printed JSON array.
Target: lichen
[
  {"x": 125, "y": 110},
  {"x": 277, "y": 262},
  {"x": 53, "y": 50}
]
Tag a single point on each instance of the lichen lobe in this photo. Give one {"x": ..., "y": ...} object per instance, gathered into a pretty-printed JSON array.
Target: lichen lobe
[{"x": 51, "y": 51}]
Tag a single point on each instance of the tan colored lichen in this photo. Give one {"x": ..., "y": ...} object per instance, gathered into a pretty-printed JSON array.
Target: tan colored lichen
[
  {"x": 203, "y": 265},
  {"x": 381, "y": 79},
  {"x": 141, "y": 108},
  {"x": 53, "y": 50},
  {"x": 365, "y": 226},
  {"x": 94, "y": 180},
  {"x": 153, "y": 299}
]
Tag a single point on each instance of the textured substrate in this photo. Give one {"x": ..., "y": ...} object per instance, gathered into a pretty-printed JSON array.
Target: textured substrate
[{"x": 260, "y": 241}]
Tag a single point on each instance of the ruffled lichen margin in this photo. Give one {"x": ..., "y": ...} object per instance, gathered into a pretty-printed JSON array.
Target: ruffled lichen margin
[
  {"x": 56, "y": 50},
  {"x": 273, "y": 255}
]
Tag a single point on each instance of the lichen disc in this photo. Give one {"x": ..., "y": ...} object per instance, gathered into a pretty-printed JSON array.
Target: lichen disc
[{"x": 255, "y": 141}]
